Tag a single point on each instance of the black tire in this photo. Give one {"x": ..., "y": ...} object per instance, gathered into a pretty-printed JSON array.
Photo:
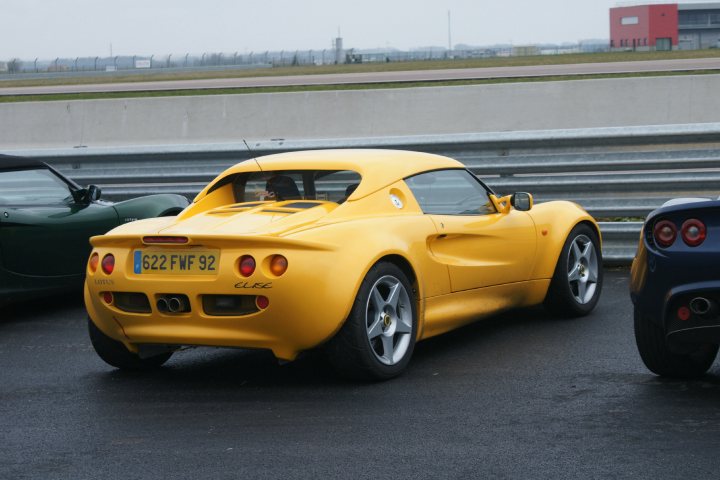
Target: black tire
[
  {"x": 115, "y": 354},
  {"x": 352, "y": 352},
  {"x": 564, "y": 297},
  {"x": 661, "y": 358}
]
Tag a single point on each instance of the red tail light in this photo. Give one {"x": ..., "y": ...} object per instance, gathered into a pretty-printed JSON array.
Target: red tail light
[
  {"x": 107, "y": 297},
  {"x": 665, "y": 233},
  {"x": 108, "y": 263},
  {"x": 247, "y": 265},
  {"x": 262, "y": 302},
  {"x": 693, "y": 232}
]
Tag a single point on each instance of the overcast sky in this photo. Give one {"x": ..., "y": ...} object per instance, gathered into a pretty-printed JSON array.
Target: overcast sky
[{"x": 70, "y": 28}]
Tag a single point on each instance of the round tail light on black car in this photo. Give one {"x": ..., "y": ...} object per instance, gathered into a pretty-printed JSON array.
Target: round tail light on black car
[
  {"x": 693, "y": 232},
  {"x": 665, "y": 233}
]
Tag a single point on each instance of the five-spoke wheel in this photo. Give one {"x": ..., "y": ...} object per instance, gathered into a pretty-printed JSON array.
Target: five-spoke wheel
[
  {"x": 577, "y": 282},
  {"x": 389, "y": 320},
  {"x": 583, "y": 269},
  {"x": 378, "y": 338}
]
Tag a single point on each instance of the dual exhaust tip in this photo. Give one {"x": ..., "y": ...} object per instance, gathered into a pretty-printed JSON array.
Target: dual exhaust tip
[
  {"x": 173, "y": 304},
  {"x": 703, "y": 306}
]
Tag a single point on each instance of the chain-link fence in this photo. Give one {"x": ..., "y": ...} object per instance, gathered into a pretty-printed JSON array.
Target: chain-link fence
[{"x": 14, "y": 68}]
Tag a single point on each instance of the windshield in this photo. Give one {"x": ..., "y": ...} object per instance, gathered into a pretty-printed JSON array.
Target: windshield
[
  {"x": 32, "y": 187},
  {"x": 327, "y": 185}
]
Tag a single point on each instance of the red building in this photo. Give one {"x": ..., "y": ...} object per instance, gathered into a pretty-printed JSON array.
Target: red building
[{"x": 644, "y": 27}]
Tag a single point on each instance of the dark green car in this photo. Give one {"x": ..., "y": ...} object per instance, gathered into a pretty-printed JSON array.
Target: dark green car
[{"x": 46, "y": 220}]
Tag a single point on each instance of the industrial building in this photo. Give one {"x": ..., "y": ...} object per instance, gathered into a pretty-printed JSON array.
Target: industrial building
[{"x": 669, "y": 26}]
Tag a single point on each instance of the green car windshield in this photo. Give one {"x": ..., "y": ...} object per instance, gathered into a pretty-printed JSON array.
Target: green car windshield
[{"x": 32, "y": 187}]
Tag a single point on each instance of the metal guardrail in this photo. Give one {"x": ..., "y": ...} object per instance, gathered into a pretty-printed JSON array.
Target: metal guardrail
[{"x": 615, "y": 173}]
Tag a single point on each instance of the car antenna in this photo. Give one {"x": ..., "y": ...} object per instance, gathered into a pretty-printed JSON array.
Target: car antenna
[{"x": 252, "y": 153}]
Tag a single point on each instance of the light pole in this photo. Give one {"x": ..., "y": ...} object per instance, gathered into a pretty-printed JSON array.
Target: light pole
[{"x": 449, "y": 35}]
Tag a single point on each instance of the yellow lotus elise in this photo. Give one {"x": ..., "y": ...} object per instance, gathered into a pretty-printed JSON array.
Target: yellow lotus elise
[{"x": 362, "y": 252}]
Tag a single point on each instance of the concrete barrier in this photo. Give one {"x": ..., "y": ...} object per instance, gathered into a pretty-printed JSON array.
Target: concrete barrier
[{"x": 361, "y": 113}]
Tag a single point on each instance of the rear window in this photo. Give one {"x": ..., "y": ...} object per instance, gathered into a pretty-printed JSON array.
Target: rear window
[{"x": 328, "y": 185}]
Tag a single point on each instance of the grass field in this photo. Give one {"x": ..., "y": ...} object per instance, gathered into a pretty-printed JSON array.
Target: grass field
[{"x": 354, "y": 68}]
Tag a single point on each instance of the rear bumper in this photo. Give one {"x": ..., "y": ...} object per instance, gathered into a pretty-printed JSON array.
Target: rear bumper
[
  {"x": 285, "y": 331},
  {"x": 662, "y": 285},
  {"x": 304, "y": 309},
  {"x": 697, "y": 328}
]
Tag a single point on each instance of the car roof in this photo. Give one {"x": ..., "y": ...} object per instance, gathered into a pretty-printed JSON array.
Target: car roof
[
  {"x": 11, "y": 162},
  {"x": 378, "y": 168}
]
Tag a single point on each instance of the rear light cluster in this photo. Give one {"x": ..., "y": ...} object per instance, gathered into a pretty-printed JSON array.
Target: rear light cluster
[
  {"x": 693, "y": 232},
  {"x": 107, "y": 265},
  {"x": 277, "y": 265}
]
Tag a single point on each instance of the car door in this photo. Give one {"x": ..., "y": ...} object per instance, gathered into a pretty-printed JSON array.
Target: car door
[
  {"x": 480, "y": 246},
  {"x": 43, "y": 230}
]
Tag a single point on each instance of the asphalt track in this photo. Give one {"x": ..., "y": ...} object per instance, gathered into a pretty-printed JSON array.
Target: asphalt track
[
  {"x": 677, "y": 65},
  {"x": 524, "y": 395}
]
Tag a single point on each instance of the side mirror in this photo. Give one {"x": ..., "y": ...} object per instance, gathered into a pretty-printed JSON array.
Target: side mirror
[
  {"x": 93, "y": 193},
  {"x": 87, "y": 195},
  {"x": 522, "y": 201}
]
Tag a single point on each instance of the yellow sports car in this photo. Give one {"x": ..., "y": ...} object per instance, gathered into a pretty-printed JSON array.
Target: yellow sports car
[{"x": 363, "y": 252}]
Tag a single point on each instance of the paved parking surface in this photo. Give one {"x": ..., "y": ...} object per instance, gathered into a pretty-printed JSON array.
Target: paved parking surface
[{"x": 520, "y": 396}]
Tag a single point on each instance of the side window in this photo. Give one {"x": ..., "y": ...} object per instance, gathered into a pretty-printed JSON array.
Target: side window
[
  {"x": 450, "y": 192},
  {"x": 335, "y": 186},
  {"x": 32, "y": 187}
]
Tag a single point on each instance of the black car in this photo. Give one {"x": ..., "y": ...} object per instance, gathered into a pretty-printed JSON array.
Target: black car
[{"x": 675, "y": 288}]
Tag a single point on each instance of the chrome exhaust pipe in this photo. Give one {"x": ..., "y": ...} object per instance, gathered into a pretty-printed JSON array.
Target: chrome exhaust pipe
[
  {"x": 701, "y": 306},
  {"x": 162, "y": 305},
  {"x": 176, "y": 304}
]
